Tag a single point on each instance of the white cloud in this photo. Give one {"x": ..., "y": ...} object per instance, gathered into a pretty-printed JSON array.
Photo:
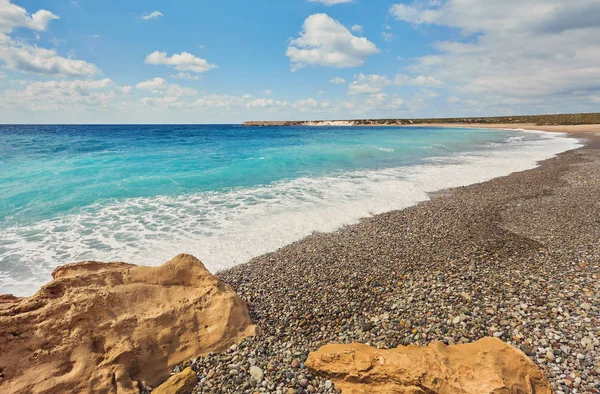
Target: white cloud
[
  {"x": 153, "y": 84},
  {"x": 221, "y": 101},
  {"x": 357, "y": 29},
  {"x": 267, "y": 103},
  {"x": 183, "y": 62},
  {"x": 166, "y": 95},
  {"x": 57, "y": 41},
  {"x": 326, "y": 42},
  {"x": 182, "y": 75},
  {"x": 337, "y": 80},
  {"x": 307, "y": 104},
  {"x": 32, "y": 59},
  {"x": 376, "y": 105},
  {"x": 544, "y": 54},
  {"x": 180, "y": 91},
  {"x": 368, "y": 84},
  {"x": 426, "y": 94},
  {"x": 267, "y": 92},
  {"x": 103, "y": 101},
  {"x": 250, "y": 103},
  {"x": 57, "y": 95},
  {"x": 403, "y": 80},
  {"x": 387, "y": 36},
  {"x": 330, "y": 2},
  {"x": 18, "y": 55},
  {"x": 13, "y": 16},
  {"x": 152, "y": 15}
]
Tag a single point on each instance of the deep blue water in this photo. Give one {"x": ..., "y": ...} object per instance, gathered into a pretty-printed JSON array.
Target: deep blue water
[{"x": 224, "y": 193}]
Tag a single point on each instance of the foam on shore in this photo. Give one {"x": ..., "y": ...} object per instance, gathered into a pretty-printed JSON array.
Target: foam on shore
[{"x": 227, "y": 228}]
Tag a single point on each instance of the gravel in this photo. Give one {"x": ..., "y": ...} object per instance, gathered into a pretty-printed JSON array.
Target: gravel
[{"x": 516, "y": 258}]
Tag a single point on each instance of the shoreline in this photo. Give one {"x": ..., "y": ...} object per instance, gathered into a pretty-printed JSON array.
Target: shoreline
[
  {"x": 583, "y": 119},
  {"x": 370, "y": 197},
  {"x": 579, "y": 130},
  {"x": 516, "y": 257}
]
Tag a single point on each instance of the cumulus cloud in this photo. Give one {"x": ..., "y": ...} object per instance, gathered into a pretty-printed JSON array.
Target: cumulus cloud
[
  {"x": 403, "y": 80},
  {"x": 414, "y": 13},
  {"x": 267, "y": 103},
  {"x": 20, "y": 56},
  {"x": 337, "y": 80},
  {"x": 166, "y": 95},
  {"x": 376, "y": 104},
  {"x": 515, "y": 51},
  {"x": 326, "y": 42},
  {"x": 569, "y": 16},
  {"x": 368, "y": 84},
  {"x": 307, "y": 104},
  {"x": 102, "y": 100},
  {"x": 250, "y": 103},
  {"x": 222, "y": 101},
  {"x": 330, "y": 2},
  {"x": 13, "y": 16},
  {"x": 32, "y": 59},
  {"x": 357, "y": 29},
  {"x": 182, "y": 62},
  {"x": 153, "y": 84},
  {"x": 152, "y": 15},
  {"x": 56, "y": 95},
  {"x": 182, "y": 75}
]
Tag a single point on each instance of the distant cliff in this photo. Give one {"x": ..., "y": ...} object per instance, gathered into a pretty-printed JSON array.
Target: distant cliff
[
  {"x": 303, "y": 123},
  {"x": 540, "y": 120}
]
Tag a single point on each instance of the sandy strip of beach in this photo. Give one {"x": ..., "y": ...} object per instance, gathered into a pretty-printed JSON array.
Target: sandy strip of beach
[
  {"x": 517, "y": 258},
  {"x": 571, "y": 129}
]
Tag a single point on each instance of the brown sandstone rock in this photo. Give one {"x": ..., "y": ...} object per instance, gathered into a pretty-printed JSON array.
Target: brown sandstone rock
[
  {"x": 115, "y": 327},
  {"x": 7, "y": 300},
  {"x": 181, "y": 383},
  {"x": 486, "y": 366}
]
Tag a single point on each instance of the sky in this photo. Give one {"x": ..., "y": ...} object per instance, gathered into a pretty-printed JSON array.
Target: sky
[{"x": 226, "y": 61}]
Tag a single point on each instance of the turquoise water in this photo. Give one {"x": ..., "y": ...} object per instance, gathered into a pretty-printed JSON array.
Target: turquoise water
[{"x": 142, "y": 194}]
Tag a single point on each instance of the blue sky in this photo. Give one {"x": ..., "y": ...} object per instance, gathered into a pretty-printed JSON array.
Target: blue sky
[{"x": 134, "y": 61}]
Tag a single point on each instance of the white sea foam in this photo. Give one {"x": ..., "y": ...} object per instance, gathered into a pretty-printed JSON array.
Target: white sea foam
[{"x": 228, "y": 228}]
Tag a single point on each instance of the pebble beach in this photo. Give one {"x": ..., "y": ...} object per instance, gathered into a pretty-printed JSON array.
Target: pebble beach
[{"x": 515, "y": 258}]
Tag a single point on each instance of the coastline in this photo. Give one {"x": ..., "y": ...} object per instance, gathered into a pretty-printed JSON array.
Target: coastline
[
  {"x": 582, "y": 119},
  {"x": 579, "y": 130},
  {"x": 351, "y": 196},
  {"x": 516, "y": 257}
]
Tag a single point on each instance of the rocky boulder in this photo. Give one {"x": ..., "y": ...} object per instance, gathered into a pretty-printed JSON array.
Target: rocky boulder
[
  {"x": 486, "y": 366},
  {"x": 116, "y": 327},
  {"x": 181, "y": 383}
]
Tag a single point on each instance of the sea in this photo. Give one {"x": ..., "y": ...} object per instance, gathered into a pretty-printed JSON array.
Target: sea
[{"x": 224, "y": 193}]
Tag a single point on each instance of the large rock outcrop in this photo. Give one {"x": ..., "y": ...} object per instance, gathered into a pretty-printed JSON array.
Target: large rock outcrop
[
  {"x": 486, "y": 366},
  {"x": 116, "y": 327}
]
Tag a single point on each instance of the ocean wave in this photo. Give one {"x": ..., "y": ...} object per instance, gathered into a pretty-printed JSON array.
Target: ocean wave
[{"x": 229, "y": 227}]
